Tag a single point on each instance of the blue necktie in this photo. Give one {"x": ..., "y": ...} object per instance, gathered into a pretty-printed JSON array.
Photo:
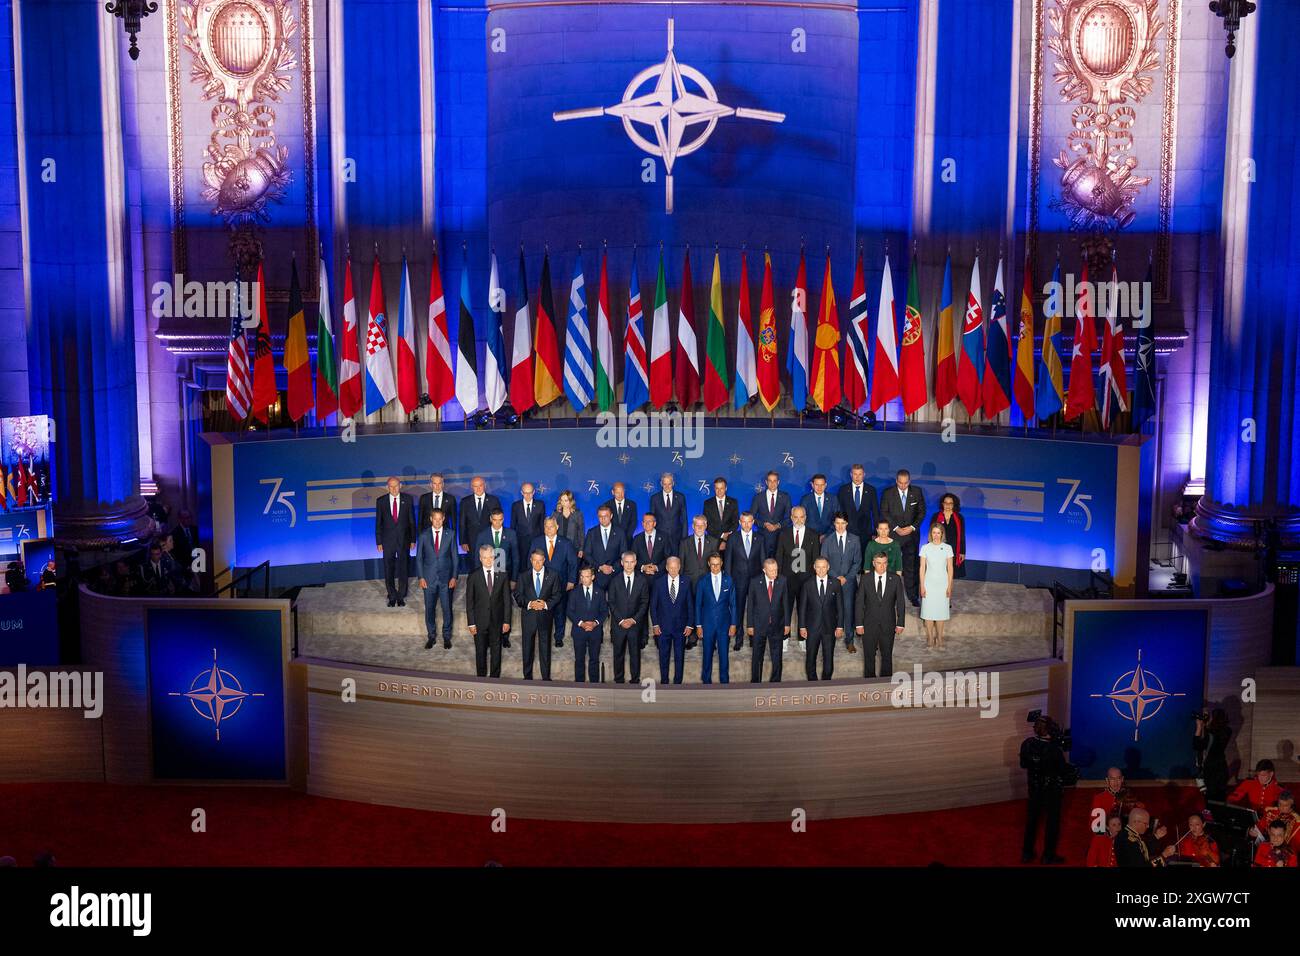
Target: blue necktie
[{"x": 857, "y": 498}]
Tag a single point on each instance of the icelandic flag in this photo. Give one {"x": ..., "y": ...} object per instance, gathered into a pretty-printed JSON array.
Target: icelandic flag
[{"x": 636, "y": 383}]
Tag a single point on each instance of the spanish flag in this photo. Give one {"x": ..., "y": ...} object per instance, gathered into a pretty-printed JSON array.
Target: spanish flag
[{"x": 1024, "y": 384}]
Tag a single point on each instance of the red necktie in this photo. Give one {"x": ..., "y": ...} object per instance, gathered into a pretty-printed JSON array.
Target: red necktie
[
  {"x": 769, "y": 590},
  {"x": 394, "y": 508},
  {"x": 437, "y": 539}
]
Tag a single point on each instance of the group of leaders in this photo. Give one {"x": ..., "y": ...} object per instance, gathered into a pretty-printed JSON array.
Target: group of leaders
[{"x": 846, "y": 564}]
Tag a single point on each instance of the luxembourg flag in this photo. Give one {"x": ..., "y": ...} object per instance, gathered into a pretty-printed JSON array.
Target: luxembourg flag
[
  {"x": 494, "y": 355},
  {"x": 746, "y": 363},
  {"x": 797, "y": 362},
  {"x": 380, "y": 388},
  {"x": 408, "y": 385},
  {"x": 971, "y": 361},
  {"x": 636, "y": 383},
  {"x": 997, "y": 356},
  {"x": 885, "y": 383}
]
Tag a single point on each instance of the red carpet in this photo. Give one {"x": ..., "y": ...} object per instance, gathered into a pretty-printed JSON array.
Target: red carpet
[{"x": 102, "y": 825}]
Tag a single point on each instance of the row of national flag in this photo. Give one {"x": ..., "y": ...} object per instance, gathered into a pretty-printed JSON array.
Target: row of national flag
[{"x": 849, "y": 362}]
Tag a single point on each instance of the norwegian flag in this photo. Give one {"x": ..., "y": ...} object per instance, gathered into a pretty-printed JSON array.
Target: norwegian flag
[
  {"x": 855, "y": 373},
  {"x": 239, "y": 390},
  {"x": 438, "y": 376}
]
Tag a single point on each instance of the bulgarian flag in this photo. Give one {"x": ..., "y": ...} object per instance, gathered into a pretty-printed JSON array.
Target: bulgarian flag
[
  {"x": 604, "y": 341},
  {"x": 327, "y": 369},
  {"x": 687, "y": 362},
  {"x": 826, "y": 347},
  {"x": 945, "y": 364},
  {"x": 767, "y": 368},
  {"x": 661, "y": 357},
  {"x": 297, "y": 362},
  {"x": 546, "y": 347},
  {"x": 350, "y": 369},
  {"x": 911, "y": 356},
  {"x": 264, "y": 391},
  {"x": 716, "y": 389}
]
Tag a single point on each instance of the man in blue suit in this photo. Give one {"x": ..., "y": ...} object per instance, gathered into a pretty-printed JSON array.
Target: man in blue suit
[
  {"x": 744, "y": 562},
  {"x": 715, "y": 617},
  {"x": 858, "y": 502},
  {"x": 505, "y": 545},
  {"x": 604, "y": 546},
  {"x": 537, "y": 594},
  {"x": 624, "y": 511},
  {"x": 526, "y": 520},
  {"x": 672, "y": 608},
  {"x": 843, "y": 550},
  {"x": 562, "y": 558},
  {"x": 587, "y": 612},
  {"x": 771, "y": 508},
  {"x": 669, "y": 508},
  {"x": 820, "y": 507},
  {"x": 435, "y": 566}
]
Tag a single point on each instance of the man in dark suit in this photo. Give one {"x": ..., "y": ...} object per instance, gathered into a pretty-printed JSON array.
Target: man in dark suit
[
  {"x": 394, "y": 538},
  {"x": 527, "y": 515},
  {"x": 185, "y": 536},
  {"x": 503, "y": 543},
  {"x": 672, "y": 608},
  {"x": 562, "y": 558},
  {"x": 721, "y": 513},
  {"x": 880, "y": 616},
  {"x": 588, "y": 608},
  {"x": 858, "y": 502},
  {"x": 843, "y": 550},
  {"x": 818, "y": 506},
  {"x": 538, "y": 595},
  {"x": 604, "y": 546},
  {"x": 669, "y": 508},
  {"x": 629, "y": 600},
  {"x": 695, "y": 550},
  {"x": 487, "y": 612},
  {"x": 474, "y": 510},
  {"x": 904, "y": 508},
  {"x": 796, "y": 551},
  {"x": 438, "y": 497},
  {"x": 624, "y": 511},
  {"x": 744, "y": 562},
  {"x": 435, "y": 566},
  {"x": 650, "y": 547},
  {"x": 819, "y": 619},
  {"x": 771, "y": 508},
  {"x": 158, "y": 574},
  {"x": 715, "y": 618},
  {"x": 768, "y": 614}
]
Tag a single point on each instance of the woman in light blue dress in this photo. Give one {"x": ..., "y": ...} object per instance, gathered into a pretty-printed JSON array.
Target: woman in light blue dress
[{"x": 936, "y": 585}]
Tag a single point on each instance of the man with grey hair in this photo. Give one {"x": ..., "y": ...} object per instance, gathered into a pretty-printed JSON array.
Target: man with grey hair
[
  {"x": 1136, "y": 843},
  {"x": 395, "y": 535}
]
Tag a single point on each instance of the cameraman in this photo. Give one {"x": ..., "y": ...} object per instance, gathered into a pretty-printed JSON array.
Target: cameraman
[
  {"x": 1043, "y": 757},
  {"x": 1211, "y": 745}
]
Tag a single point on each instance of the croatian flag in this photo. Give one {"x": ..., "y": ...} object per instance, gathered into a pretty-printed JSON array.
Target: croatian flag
[{"x": 380, "y": 388}]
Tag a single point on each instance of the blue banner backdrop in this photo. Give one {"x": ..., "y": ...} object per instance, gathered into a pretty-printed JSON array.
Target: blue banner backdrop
[
  {"x": 307, "y": 500},
  {"x": 216, "y": 693},
  {"x": 1136, "y": 678}
]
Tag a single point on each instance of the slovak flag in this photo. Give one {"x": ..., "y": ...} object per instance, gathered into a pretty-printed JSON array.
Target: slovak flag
[
  {"x": 971, "y": 361},
  {"x": 380, "y": 388}
]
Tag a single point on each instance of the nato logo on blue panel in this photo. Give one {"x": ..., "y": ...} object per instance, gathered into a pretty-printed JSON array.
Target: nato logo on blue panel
[
  {"x": 216, "y": 692},
  {"x": 1137, "y": 695}
]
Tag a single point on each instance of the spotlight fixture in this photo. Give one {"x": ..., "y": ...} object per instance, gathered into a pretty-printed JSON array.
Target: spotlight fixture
[
  {"x": 1232, "y": 12},
  {"x": 131, "y": 12}
]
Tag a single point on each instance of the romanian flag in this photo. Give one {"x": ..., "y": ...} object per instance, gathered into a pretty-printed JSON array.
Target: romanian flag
[
  {"x": 546, "y": 347},
  {"x": 1024, "y": 381},
  {"x": 716, "y": 380},
  {"x": 945, "y": 365},
  {"x": 826, "y": 348},
  {"x": 297, "y": 363},
  {"x": 1082, "y": 396},
  {"x": 911, "y": 354},
  {"x": 264, "y": 391},
  {"x": 1049, "y": 393},
  {"x": 767, "y": 369}
]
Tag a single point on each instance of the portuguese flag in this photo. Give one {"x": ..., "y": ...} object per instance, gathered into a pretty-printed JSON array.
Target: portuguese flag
[{"x": 716, "y": 386}]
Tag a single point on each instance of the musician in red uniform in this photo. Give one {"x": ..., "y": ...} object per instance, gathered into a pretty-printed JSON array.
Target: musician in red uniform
[
  {"x": 1275, "y": 852},
  {"x": 1197, "y": 844},
  {"x": 1284, "y": 811},
  {"x": 1101, "y": 851},
  {"x": 1115, "y": 800},
  {"x": 1260, "y": 792}
]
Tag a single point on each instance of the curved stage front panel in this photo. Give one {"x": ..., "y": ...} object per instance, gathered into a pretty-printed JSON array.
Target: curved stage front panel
[{"x": 692, "y": 754}]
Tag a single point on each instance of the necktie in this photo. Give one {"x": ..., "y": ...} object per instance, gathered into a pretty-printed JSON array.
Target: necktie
[
  {"x": 588, "y": 594},
  {"x": 771, "y": 502},
  {"x": 699, "y": 548},
  {"x": 717, "y": 587},
  {"x": 437, "y": 541},
  {"x": 604, "y": 533},
  {"x": 489, "y": 577},
  {"x": 745, "y": 538},
  {"x": 769, "y": 590},
  {"x": 394, "y": 500},
  {"x": 857, "y": 497},
  {"x": 798, "y": 537},
  {"x": 619, "y": 504},
  {"x": 821, "y": 587},
  {"x": 550, "y": 549},
  {"x": 627, "y": 582},
  {"x": 880, "y": 586},
  {"x": 672, "y": 590},
  {"x": 528, "y": 509},
  {"x": 496, "y": 539},
  {"x": 841, "y": 542},
  {"x": 537, "y": 582},
  {"x": 650, "y": 546}
]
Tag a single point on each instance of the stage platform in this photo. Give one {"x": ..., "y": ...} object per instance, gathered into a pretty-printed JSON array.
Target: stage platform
[{"x": 350, "y": 622}]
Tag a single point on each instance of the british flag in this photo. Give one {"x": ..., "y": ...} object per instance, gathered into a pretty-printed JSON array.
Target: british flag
[{"x": 239, "y": 389}]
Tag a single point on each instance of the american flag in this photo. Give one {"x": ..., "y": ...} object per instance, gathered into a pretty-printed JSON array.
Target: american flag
[{"x": 239, "y": 389}]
